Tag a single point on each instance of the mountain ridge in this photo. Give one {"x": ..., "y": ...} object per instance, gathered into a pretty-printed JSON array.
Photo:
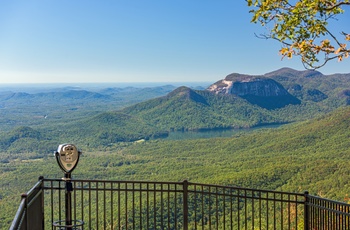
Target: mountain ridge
[{"x": 188, "y": 109}]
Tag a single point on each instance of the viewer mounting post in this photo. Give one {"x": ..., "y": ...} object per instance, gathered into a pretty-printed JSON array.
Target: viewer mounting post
[{"x": 67, "y": 156}]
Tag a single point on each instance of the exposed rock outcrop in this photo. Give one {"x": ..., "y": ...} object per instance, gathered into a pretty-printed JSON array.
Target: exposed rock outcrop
[
  {"x": 258, "y": 90},
  {"x": 242, "y": 85}
]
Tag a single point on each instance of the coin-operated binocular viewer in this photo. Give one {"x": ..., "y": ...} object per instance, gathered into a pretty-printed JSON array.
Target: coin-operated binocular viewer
[{"x": 67, "y": 156}]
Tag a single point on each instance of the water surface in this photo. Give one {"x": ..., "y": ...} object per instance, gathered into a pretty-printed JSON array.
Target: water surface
[{"x": 183, "y": 135}]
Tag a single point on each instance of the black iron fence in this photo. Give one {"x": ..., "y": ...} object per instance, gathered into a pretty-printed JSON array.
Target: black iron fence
[
  {"x": 327, "y": 214},
  {"x": 99, "y": 204},
  {"x": 30, "y": 214}
]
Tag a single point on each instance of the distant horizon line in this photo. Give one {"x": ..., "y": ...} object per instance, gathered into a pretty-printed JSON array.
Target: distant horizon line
[
  {"x": 124, "y": 82},
  {"x": 102, "y": 84}
]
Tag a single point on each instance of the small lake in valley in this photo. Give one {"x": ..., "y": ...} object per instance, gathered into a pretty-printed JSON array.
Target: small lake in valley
[{"x": 183, "y": 135}]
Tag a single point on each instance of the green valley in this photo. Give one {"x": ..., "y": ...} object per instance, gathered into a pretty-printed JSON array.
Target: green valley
[{"x": 312, "y": 155}]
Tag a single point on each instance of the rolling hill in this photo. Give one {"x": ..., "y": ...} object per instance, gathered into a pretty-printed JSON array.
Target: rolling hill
[
  {"x": 238, "y": 101},
  {"x": 44, "y": 106}
]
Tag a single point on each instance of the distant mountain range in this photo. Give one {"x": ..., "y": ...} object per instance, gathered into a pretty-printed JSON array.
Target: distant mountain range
[
  {"x": 238, "y": 101},
  {"x": 71, "y": 95}
]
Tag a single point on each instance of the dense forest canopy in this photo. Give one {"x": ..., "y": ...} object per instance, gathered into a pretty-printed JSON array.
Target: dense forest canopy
[{"x": 312, "y": 155}]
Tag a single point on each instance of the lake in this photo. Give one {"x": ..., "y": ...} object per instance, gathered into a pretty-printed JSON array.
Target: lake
[{"x": 183, "y": 135}]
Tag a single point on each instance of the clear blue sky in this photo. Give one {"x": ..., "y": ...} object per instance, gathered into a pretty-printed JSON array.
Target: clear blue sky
[{"x": 136, "y": 41}]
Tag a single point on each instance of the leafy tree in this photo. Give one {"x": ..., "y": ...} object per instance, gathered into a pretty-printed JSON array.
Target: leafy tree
[{"x": 303, "y": 28}]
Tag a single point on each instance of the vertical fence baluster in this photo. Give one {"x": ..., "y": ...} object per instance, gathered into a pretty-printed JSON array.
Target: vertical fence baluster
[
  {"x": 216, "y": 207},
  {"x": 148, "y": 204},
  {"x": 274, "y": 211},
  {"x": 224, "y": 208},
  {"x": 289, "y": 211},
  {"x": 195, "y": 206},
  {"x": 231, "y": 208},
  {"x": 245, "y": 210},
  {"x": 141, "y": 223},
  {"x": 267, "y": 210},
  {"x": 338, "y": 219},
  {"x": 202, "y": 196},
  {"x": 347, "y": 210},
  {"x": 185, "y": 204},
  {"x": 175, "y": 206},
  {"x": 154, "y": 206},
  {"x": 126, "y": 206},
  {"x": 82, "y": 200},
  {"x": 306, "y": 211},
  {"x": 59, "y": 201},
  {"x": 260, "y": 211},
  {"x": 89, "y": 188},
  {"x": 168, "y": 206},
  {"x": 111, "y": 206},
  {"x": 238, "y": 209},
  {"x": 253, "y": 210},
  {"x": 74, "y": 201},
  {"x": 52, "y": 204},
  {"x": 209, "y": 209},
  {"x": 104, "y": 206},
  {"x": 296, "y": 211},
  {"x": 282, "y": 211},
  {"x": 119, "y": 203},
  {"x": 133, "y": 205}
]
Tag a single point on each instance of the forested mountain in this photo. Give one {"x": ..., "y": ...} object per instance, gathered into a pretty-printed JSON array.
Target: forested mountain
[
  {"x": 311, "y": 85},
  {"x": 238, "y": 101},
  {"x": 187, "y": 109}
]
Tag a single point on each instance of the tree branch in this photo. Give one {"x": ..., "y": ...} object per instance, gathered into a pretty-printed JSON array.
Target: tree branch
[{"x": 336, "y": 6}]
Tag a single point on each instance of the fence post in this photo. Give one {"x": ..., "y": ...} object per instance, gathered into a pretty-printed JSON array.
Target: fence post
[
  {"x": 24, "y": 196},
  {"x": 306, "y": 211},
  {"x": 185, "y": 204},
  {"x": 41, "y": 179}
]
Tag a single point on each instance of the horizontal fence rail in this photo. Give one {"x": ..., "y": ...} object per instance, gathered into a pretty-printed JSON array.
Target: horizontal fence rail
[{"x": 100, "y": 204}]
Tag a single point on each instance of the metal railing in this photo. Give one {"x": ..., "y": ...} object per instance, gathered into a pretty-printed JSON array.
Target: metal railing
[
  {"x": 100, "y": 204},
  {"x": 327, "y": 214},
  {"x": 30, "y": 214}
]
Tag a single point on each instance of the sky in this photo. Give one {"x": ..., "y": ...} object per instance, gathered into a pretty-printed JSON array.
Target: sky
[{"x": 56, "y": 41}]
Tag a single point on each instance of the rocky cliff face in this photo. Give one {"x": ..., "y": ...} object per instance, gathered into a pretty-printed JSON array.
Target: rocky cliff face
[
  {"x": 242, "y": 85},
  {"x": 258, "y": 90}
]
